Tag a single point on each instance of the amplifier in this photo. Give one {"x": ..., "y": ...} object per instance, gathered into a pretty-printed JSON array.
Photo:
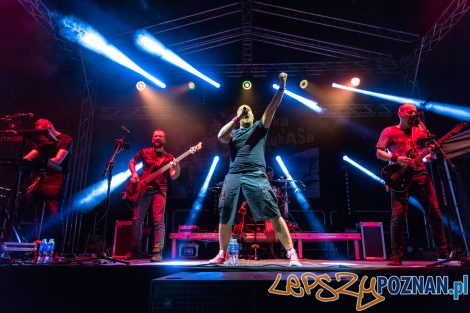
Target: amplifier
[
  {"x": 122, "y": 238},
  {"x": 373, "y": 244}
]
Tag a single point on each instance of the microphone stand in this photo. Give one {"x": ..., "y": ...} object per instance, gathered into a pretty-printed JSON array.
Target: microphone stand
[
  {"x": 119, "y": 145},
  {"x": 445, "y": 160}
]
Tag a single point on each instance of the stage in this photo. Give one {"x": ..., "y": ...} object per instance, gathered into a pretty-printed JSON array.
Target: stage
[{"x": 196, "y": 286}]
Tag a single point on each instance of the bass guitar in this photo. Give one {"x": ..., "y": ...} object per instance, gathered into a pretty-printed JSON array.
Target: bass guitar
[
  {"x": 398, "y": 177},
  {"x": 135, "y": 191}
]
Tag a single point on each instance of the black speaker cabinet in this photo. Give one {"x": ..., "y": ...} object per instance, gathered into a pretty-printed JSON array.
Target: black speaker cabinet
[
  {"x": 122, "y": 238},
  {"x": 373, "y": 243}
]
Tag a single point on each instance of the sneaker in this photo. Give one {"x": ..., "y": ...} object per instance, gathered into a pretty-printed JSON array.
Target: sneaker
[
  {"x": 157, "y": 257},
  {"x": 219, "y": 258},
  {"x": 395, "y": 260},
  {"x": 293, "y": 258}
]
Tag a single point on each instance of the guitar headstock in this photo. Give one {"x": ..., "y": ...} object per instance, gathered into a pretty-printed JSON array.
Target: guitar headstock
[{"x": 195, "y": 148}]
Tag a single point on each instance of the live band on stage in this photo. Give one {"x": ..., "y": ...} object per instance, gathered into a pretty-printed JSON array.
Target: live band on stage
[{"x": 252, "y": 205}]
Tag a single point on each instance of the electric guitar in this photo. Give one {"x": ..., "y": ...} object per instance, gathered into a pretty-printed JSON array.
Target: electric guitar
[
  {"x": 135, "y": 191},
  {"x": 398, "y": 177}
]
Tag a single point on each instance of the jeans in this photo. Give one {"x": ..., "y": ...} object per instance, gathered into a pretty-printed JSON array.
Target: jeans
[
  {"x": 421, "y": 187},
  {"x": 156, "y": 200}
]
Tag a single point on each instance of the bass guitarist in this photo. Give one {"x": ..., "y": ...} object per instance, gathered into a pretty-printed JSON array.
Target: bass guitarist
[
  {"x": 393, "y": 145},
  {"x": 152, "y": 158}
]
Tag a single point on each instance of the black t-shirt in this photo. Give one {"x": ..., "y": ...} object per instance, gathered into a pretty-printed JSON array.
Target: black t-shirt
[
  {"x": 247, "y": 148},
  {"x": 48, "y": 149}
]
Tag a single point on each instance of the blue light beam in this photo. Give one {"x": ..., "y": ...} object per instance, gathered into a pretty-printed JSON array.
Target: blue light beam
[
  {"x": 151, "y": 45},
  {"x": 450, "y": 110},
  {"x": 364, "y": 170},
  {"x": 77, "y": 31},
  {"x": 412, "y": 200},
  {"x": 312, "y": 220},
  {"x": 93, "y": 195},
  {"x": 307, "y": 102},
  {"x": 197, "y": 205}
]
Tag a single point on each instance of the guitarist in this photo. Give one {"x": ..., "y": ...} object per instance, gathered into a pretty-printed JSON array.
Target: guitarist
[
  {"x": 393, "y": 145},
  {"x": 51, "y": 155},
  {"x": 155, "y": 197}
]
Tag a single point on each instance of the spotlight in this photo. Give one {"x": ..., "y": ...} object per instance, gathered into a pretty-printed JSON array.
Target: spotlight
[
  {"x": 191, "y": 86},
  {"x": 140, "y": 85},
  {"x": 246, "y": 85},
  {"x": 307, "y": 102},
  {"x": 303, "y": 84},
  {"x": 355, "y": 81},
  {"x": 151, "y": 45},
  {"x": 77, "y": 31},
  {"x": 197, "y": 205}
]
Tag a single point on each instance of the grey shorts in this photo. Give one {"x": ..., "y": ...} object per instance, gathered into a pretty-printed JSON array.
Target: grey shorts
[{"x": 254, "y": 187}]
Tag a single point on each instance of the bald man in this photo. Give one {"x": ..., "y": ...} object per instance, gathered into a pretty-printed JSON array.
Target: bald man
[{"x": 394, "y": 143}]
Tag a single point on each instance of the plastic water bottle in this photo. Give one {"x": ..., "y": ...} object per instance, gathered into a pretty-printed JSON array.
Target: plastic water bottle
[
  {"x": 42, "y": 247},
  {"x": 48, "y": 251},
  {"x": 233, "y": 252},
  {"x": 51, "y": 250}
]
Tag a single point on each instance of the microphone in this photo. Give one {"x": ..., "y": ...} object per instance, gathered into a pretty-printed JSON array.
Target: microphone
[
  {"x": 244, "y": 112},
  {"x": 125, "y": 129}
]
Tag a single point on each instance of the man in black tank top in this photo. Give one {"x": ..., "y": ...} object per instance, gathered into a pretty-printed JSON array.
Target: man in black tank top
[{"x": 247, "y": 176}]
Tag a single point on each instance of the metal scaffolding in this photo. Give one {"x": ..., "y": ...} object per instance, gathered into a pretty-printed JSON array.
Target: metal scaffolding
[
  {"x": 436, "y": 33},
  {"x": 82, "y": 142}
]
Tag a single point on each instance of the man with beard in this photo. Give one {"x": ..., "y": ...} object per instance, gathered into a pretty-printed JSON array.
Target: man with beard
[
  {"x": 247, "y": 176},
  {"x": 52, "y": 151},
  {"x": 155, "y": 197},
  {"x": 394, "y": 143}
]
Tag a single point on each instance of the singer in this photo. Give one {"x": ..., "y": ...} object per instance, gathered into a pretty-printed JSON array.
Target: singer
[
  {"x": 394, "y": 145},
  {"x": 51, "y": 157},
  {"x": 247, "y": 176},
  {"x": 154, "y": 197}
]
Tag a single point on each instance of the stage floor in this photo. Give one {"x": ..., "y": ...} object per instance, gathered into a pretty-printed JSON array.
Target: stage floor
[
  {"x": 144, "y": 287},
  {"x": 282, "y": 264}
]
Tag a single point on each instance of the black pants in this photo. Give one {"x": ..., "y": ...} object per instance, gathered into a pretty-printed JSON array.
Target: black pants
[
  {"x": 50, "y": 189},
  {"x": 421, "y": 187}
]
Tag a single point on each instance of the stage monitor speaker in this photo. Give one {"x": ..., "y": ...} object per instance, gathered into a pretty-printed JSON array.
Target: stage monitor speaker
[
  {"x": 373, "y": 243},
  {"x": 231, "y": 291},
  {"x": 122, "y": 238}
]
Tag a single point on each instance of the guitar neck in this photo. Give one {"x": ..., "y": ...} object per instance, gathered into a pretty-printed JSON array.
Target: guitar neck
[
  {"x": 439, "y": 142},
  {"x": 164, "y": 168}
]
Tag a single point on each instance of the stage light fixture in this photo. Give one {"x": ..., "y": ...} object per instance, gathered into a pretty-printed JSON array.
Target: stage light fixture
[
  {"x": 303, "y": 84},
  {"x": 246, "y": 85},
  {"x": 145, "y": 41},
  {"x": 197, "y": 205},
  {"x": 191, "y": 86},
  {"x": 355, "y": 81},
  {"x": 140, "y": 85},
  {"x": 309, "y": 103},
  {"x": 77, "y": 31}
]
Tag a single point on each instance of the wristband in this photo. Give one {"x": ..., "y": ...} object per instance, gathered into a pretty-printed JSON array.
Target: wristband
[
  {"x": 394, "y": 158},
  {"x": 236, "y": 119},
  {"x": 281, "y": 89}
]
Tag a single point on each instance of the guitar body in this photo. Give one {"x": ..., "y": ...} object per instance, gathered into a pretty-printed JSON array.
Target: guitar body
[
  {"x": 399, "y": 177},
  {"x": 135, "y": 191}
]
